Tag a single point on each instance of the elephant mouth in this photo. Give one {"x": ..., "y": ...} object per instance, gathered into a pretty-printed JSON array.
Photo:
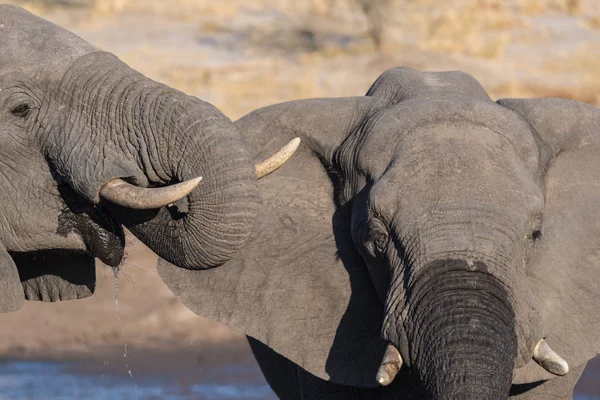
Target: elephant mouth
[{"x": 102, "y": 235}]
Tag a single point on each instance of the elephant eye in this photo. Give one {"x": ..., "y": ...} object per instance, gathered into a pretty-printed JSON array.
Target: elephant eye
[
  {"x": 379, "y": 242},
  {"x": 22, "y": 110},
  {"x": 536, "y": 229}
]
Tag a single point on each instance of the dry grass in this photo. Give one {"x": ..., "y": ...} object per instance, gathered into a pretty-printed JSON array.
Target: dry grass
[
  {"x": 181, "y": 9},
  {"x": 593, "y": 22},
  {"x": 583, "y": 62},
  {"x": 537, "y": 7},
  {"x": 476, "y": 28},
  {"x": 573, "y": 76},
  {"x": 583, "y": 93}
]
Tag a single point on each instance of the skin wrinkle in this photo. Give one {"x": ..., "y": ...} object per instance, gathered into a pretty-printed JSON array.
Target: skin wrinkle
[
  {"x": 143, "y": 102},
  {"x": 432, "y": 297},
  {"x": 94, "y": 122},
  {"x": 151, "y": 98},
  {"x": 149, "y": 134},
  {"x": 166, "y": 123},
  {"x": 546, "y": 154},
  {"x": 16, "y": 189},
  {"x": 440, "y": 293},
  {"x": 115, "y": 122}
]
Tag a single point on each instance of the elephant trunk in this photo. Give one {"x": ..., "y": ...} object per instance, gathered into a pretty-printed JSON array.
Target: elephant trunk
[
  {"x": 151, "y": 135},
  {"x": 215, "y": 220},
  {"x": 460, "y": 327}
]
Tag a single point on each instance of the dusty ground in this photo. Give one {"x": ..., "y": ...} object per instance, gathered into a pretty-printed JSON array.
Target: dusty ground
[
  {"x": 241, "y": 55},
  {"x": 148, "y": 316}
]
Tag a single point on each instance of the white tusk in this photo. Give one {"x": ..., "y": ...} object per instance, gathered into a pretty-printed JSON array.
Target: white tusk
[
  {"x": 549, "y": 360},
  {"x": 125, "y": 194},
  {"x": 390, "y": 366},
  {"x": 272, "y": 163}
]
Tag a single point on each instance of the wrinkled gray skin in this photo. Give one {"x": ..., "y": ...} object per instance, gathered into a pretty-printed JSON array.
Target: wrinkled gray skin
[
  {"x": 426, "y": 215},
  {"x": 73, "y": 117}
]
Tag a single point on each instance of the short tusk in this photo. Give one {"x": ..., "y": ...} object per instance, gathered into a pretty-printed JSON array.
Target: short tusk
[
  {"x": 272, "y": 163},
  {"x": 125, "y": 194},
  {"x": 549, "y": 360},
  {"x": 390, "y": 366}
]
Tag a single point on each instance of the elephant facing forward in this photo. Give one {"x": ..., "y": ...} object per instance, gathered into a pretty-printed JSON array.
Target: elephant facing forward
[
  {"x": 77, "y": 126},
  {"x": 426, "y": 239}
]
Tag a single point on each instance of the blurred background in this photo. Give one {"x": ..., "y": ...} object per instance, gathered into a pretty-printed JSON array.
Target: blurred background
[{"x": 241, "y": 55}]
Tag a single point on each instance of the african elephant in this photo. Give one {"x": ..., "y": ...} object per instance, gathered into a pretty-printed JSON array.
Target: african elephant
[
  {"x": 425, "y": 238},
  {"x": 77, "y": 126}
]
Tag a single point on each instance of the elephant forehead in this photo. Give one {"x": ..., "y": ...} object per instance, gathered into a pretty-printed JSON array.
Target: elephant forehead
[
  {"x": 426, "y": 122},
  {"x": 28, "y": 42},
  {"x": 457, "y": 163}
]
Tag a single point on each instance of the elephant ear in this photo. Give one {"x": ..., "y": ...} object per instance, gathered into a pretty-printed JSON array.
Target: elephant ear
[
  {"x": 11, "y": 291},
  {"x": 298, "y": 286},
  {"x": 55, "y": 276},
  {"x": 564, "y": 271}
]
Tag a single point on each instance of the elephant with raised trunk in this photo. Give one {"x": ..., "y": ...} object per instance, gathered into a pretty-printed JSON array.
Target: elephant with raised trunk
[
  {"x": 89, "y": 144},
  {"x": 426, "y": 242}
]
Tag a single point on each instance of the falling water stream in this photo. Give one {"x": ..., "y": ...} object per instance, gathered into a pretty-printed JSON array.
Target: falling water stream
[{"x": 116, "y": 271}]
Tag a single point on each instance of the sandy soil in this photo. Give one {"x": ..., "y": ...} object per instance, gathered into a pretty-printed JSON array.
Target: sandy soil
[{"x": 241, "y": 55}]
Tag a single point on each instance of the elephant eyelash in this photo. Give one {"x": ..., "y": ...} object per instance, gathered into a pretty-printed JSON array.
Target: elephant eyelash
[{"x": 21, "y": 110}]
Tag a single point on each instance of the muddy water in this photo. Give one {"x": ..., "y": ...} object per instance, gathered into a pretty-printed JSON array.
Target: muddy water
[
  {"x": 162, "y": 376},
  {"x": 198, "y": 372},
  {"x": 589, "y": 383},
  {"x": 50, "y": 381}
]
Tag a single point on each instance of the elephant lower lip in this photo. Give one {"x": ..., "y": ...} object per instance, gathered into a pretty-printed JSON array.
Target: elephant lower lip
[
  {"x": 101, "y": 233},
  {"x": 105, "y": 238},
  {"x": 108, "y": 246}
]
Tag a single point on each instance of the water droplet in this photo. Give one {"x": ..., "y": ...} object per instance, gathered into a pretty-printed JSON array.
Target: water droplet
[{"x": 116, "y": 272}]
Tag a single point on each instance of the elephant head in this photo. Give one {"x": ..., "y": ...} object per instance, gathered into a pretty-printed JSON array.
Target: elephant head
[
  {"x": 459, "y": 233},
  {"x": 90, "y": 144}
]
